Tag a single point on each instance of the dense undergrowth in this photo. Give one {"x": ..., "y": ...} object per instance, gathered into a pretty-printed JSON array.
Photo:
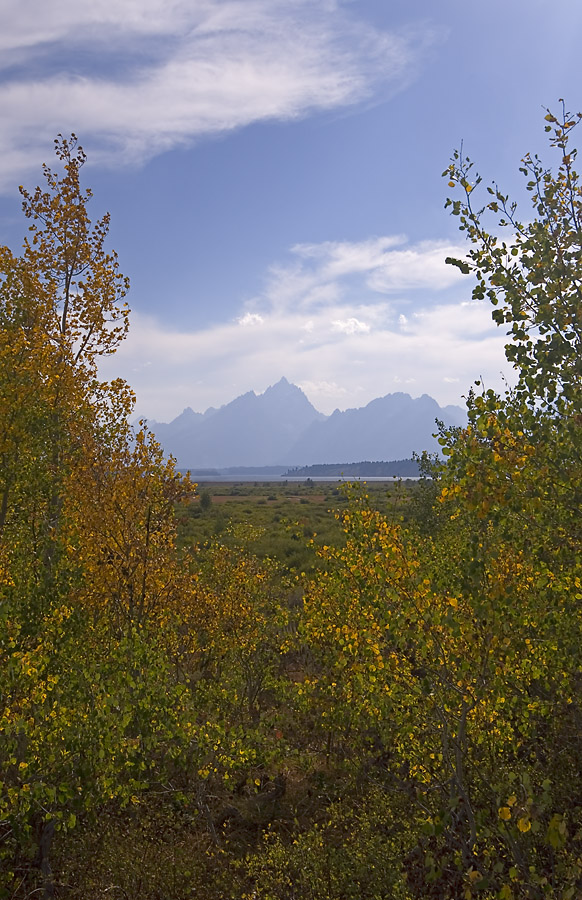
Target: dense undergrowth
[{"x": 392, "y": 711}]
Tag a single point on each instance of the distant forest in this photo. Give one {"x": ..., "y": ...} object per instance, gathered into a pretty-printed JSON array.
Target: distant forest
[{"x": 399, "y": 468}]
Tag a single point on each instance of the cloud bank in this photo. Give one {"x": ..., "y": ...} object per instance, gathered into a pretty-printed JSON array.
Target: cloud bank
[{"x": 346, "y": 321}]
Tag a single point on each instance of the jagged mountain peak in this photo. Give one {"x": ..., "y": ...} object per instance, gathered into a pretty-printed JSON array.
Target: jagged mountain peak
[
  {"x": 287, "y": 396},
  {"x": 282, "y": 383},
  {"x": 282, "y": 427},
  {"x": 283, "y": 387},
  {"x": 187, "y": 413}
]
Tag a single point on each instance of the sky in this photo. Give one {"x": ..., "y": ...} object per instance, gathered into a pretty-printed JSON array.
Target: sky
[{"x": 273, "y": 173}]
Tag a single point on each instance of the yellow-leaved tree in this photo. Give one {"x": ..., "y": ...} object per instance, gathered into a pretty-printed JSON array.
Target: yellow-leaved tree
[{"x": 88, "y": 569}]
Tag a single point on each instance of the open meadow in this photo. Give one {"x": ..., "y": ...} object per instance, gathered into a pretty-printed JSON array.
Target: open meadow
[{"x": 289, "y": 520}]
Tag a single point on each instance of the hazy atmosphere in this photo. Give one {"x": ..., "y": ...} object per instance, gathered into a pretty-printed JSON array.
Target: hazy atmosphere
[{"x": 273, "y": 172}]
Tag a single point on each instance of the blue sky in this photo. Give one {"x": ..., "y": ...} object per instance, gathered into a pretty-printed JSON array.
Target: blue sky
[{"x": 272, "y": 168}]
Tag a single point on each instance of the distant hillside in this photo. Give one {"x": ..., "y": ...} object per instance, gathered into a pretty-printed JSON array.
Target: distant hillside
[{"x": 281, "y": 428}]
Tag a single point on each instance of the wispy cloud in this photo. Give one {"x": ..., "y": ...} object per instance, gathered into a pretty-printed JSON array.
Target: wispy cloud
[
  {"x": 344, "y": 352},
  {"x": 376, "y": 273},
  {"x": 136, "y": 78},
  {"x": 387, "y": 263}
]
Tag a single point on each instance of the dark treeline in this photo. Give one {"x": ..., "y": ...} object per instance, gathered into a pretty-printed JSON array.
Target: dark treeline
[{"x": 400, "y": 468}]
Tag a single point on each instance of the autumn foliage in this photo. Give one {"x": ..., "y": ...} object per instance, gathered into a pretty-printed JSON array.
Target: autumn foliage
[{"x": 405, "y": 723}]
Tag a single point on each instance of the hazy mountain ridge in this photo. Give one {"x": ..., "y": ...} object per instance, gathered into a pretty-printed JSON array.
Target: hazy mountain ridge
[{"x": 281, "y": 427}]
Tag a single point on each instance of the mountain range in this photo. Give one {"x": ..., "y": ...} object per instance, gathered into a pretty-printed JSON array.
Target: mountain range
[{"x": 282, "y": 428}]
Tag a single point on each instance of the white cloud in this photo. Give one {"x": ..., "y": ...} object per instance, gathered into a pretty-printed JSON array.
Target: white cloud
[
  {"x": 389, "y": 265},
  {"x": 136, "y": 78},
  {"x": 352, "y": 348},
  {"x": 350, "y": 326},
  {"x": 338, "y": 258},
  {"x": 361, "y": 274},
  {"x": 250, "y": 319},
  {"x": 421, "y": 266}
]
